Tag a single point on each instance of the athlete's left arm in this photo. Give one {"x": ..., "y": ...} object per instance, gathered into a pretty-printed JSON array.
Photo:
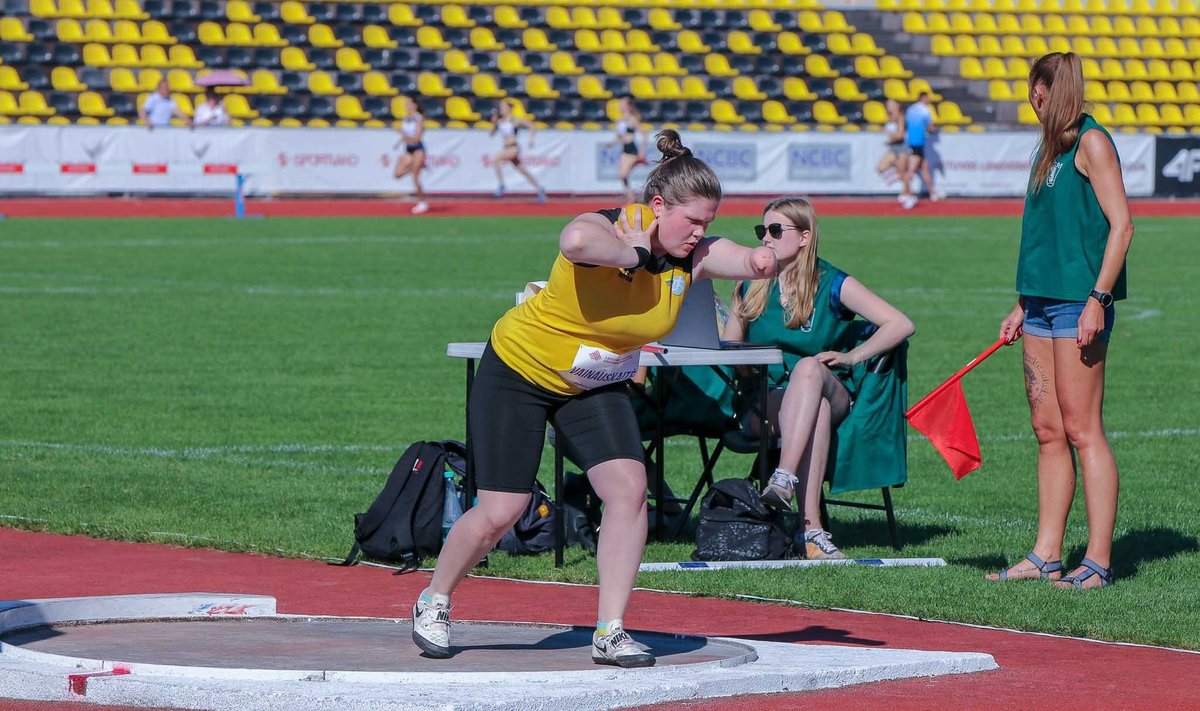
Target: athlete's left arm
[
  {"x": 720, "y": 258},
  {"x": 1097, "y": 160},
  {"x": 529, "y": 124}
]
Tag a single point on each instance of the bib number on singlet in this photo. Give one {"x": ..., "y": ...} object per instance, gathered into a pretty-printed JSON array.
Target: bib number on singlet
[{"x": 595, "y": 367}]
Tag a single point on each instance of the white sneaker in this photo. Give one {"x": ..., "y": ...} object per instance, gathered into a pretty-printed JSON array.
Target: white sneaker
[
  {"x": 936, "y": 196},
  {"x": 618, "y": 649},
  {"x": 420, "y": 208},
  {"x": 909, "y": 202},
  {"x": 431, "y": 625},
  {"x": 901, "y": 198},
  {"x": 818, "y": 545},
  {"x": 780, "y": 490}
]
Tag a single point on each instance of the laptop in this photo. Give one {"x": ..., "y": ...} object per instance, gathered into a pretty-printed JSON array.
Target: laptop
[{"x": 696, "y": 326}]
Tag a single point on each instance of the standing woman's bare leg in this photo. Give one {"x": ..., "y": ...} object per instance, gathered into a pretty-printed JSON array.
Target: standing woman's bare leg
[
  {"x": 403, "y": 164},
  {"x": 473, "y": 535},
  {"x": 1055, "y": 463},
  {"x": 1079, "y": 384},
  {"x": 812, "y": 466},
  {"x": 498, "y": 162},
  {"x": 624, "y": 171}
]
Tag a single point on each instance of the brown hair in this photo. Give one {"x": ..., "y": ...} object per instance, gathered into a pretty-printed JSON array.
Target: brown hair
[
  {"x": 680, "y": 176},
  {"x": 797, "y": 280},
  {"x": 1062, "y": 75}
]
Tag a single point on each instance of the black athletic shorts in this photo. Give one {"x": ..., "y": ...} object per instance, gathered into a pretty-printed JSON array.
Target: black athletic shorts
[
  {"x": 508, "y": 416},
  {"x": 630, "y": 149},
  {"x": 918, "y": 151}
]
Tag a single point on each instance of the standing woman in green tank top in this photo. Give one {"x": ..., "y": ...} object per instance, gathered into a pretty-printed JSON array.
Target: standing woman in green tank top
[{"x": 1075, "y": 234}]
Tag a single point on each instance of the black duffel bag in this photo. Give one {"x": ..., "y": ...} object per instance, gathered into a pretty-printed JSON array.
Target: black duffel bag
[{"x": 736, "y": 525}]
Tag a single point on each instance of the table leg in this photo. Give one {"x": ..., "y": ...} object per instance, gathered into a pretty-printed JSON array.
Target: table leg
[
  {"x": 469, "y": 479},
  {"x": 660, "y": 480},
  {"x": 764, "y": 440},
  {"x": 560, "y": 514}
]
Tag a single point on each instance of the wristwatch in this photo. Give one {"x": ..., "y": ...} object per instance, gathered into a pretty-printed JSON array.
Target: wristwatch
[{"x": 1104, "y": 297}]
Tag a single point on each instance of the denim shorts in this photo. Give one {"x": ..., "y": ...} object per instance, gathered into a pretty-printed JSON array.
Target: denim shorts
[{"x": 1054, "y": 318}]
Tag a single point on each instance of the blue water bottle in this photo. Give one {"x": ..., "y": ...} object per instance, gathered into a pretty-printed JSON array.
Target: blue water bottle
[{"x": 451, "y": 506}]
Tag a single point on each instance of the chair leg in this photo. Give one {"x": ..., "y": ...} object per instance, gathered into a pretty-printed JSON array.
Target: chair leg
[
  {"x": 706, "y": 480},
  {"x": 891, "y": 517}
]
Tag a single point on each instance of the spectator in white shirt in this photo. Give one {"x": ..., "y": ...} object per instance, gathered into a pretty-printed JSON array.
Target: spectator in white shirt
[
  {"x": 159, "y": 108},
  {"x": 211, "y": 112}
]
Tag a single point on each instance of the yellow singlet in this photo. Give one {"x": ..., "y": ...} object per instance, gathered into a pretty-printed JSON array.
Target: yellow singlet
[{"x": 586, "y": 328}]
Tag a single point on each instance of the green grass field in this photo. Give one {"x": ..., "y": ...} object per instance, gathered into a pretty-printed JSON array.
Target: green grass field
[{"x": 248, "y": 385}]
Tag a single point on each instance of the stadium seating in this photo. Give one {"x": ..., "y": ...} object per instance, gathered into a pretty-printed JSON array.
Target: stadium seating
[{"x": 731, "y": 64}]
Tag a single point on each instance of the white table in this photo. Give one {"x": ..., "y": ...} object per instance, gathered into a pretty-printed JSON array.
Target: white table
[{"x": 671, "y": 357}]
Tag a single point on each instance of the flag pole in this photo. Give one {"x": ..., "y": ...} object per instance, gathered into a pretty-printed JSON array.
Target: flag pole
[{"x": 957, "y": 376}]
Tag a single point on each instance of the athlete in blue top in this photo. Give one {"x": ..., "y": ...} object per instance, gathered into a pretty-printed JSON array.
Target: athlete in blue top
[{"x": 919, "y": 124}]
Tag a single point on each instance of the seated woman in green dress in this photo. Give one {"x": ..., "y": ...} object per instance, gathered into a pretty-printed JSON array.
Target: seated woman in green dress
[{"x": 809, "y": 313}]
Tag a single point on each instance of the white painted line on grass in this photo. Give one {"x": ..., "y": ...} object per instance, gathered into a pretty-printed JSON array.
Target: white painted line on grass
[{"x": 702, "y": 565}]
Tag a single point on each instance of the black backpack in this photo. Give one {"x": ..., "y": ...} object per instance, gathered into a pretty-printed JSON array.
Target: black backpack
[
  {"x": 736, "y": 525},
  {"x": 404, "y": 524},
  {"x": 534, "y": 531}
]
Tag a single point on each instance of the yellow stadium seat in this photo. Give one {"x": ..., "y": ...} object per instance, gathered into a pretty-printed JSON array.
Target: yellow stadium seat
[
  {"x": 1164, "y": 91},
  {"x": 1000, "y": 90},
  {"x": 689, "y": 41},
  {"x": 776, "y": 113},
  {"x": 741, "y": 43},
  {"x": 289, "y": 122},
  {"x": 1135, "y": 69},
  {"x": 96, "y": 55},
  {"x": 349, "y": 108},
  {"x": 295, "y": 59},
  {"x": 1188, "y": 92},
  {"x": 1103, "y": 26},
  {"x": 92, "y": 104},
  {"x": 717, "y": 65},
  {"x": 483, "y": 40},
  {"x": 1083, "y": 46},
  {"x": 322, "y": 83},
  {"x": 864, "y": 44},
  {"x": 614, "y": 64},
  {"x": 318, "y": 123},
  {"x": 430, "y": 84},
  {"x": 971, "y": 68},
  {"x": 825, "y": 112},
  {"x": 181, "y": 81},
  {"x": 238, "y": 34},
  {"x": 484, "y": 86},
  {"x": 582, "y": 16},
  {"x": 1171, "y": 115},
  {"x": 155, "y": 32},
  {"x": 506, "y": 16},
  {"x": 130, "y": 10},
  {"x": 402, "y": 16},
  {"x": 458, "y": 62},
  {"x": 43, "y": 9},
  {"x": 591, "y": 88},
  {"x": 867, "y": 67},
  {"x": 101, "y": 31},
  {"x": 294, "y": 13},
  {"x": 535, "y": 40},
  {"x": 123, "y": 80},
  {"x": 264, "y": 81},
  {"x": 538, "y": 87},
  {"x": 71, "y": 8},
  {"x": 666, "y": 64},
  {"x": 898, "y": 90},
  {"x": 184, "y": 57},
  {"x": 564, "y": 63},
  {"x": 835, "y": 21},
  {"x": 796, "y": 89},
  {"x": 10, "y": 80},
  {"x": 791, "y": 44},
  {"x": 104, "y": 10},
  {"x": 875, "y": 113},
  {"x": 818, "y": 66},
  {"x": 69, "y": 30},
  {"x": 845, "y": 89},
  {"x": 1094, "y": 91},
  {"x": 149, "y": 79},
  {"x": 948, "y": 113},
  {"x": 745, "y": 88},
  {"x": 559, "y": 18},
  {"x": 65, "y": 79},
  {"x": 321, "y": 35},
  {"x": 723, "y": 112},
  {"x": 125, "y": 55},
  {"x": 1141, "y": 91},
  {"x": 914, "y": 23},
  {"x": 32, "y": 103},
  {"x": 607, "y": 40},
  {"x": 349, "y": 60},
  {"x": 1111, "y": 68},
  {"x": 240, "y": 11},
  {"x": 610, "y": 18},
  {"x": 154, "y": 55},
  {"x": 1123, "y": 115},
  {"x": 210, "y": 33},
  {"x": 639, "y": 40},
  {"x": 456, "y": 16},
  {"x": 660, "y": 18},
  {"x": 668, "y": 88},
  {"x": 1059, "y": 44},
  {"x": 640, "y": 63},
  {"x": 947, "y": 46},
  {"x": 238, "y": 107},
  {"x": 8, "y": 105},
  {"x": 1026, "y": 115},
  {"x": 643, "y": 88},
  {"x": 761, "y": 21},
  {"x": 510, "y": 62},
  {"x": 429, "y": 37},
  {"x": 377, "y": 37},
  {"x": 13, "y": 30},
  {"x": 124, "y": 31},
  {"x": 695, "y": 88},
  {"x": 960, "y": 23}
]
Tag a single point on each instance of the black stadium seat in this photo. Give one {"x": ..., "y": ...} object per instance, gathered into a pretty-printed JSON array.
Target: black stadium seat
[
  {"x": 66, "y": 54},
  {"x": 211, "y": 10},
  {"x": 266, "y": 58},
  {"x": 239, "y": 58},
  {"x": 184, "y": 31},
  {"x": 63, "y": 103},
  {"x": 266, "y": 104},
  {"x": 374, "y": 13},
  {"x": 486, "y": 61},
  {"x": 38, "y": 53},
  {"x": 347, "y": 13},
  {"x": 321, "y": 12},
  {"x": 268, "y": 11}
]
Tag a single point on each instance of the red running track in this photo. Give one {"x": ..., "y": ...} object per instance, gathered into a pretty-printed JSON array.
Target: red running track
[
  {"x": 1035, "y": 671},
  {"x": 487, "y": 207}
]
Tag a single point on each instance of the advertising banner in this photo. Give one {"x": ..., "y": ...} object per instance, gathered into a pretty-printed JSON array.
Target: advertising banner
[
  {"x": 64, "y": 160},
  {"x": 1177, "y": 166}
]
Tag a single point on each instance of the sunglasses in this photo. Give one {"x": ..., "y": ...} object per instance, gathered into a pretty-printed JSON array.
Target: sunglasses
[{"x": 774, "y": 229}]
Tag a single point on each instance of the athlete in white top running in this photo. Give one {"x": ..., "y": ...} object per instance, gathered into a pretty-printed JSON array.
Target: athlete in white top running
[
  {"x": 504, "y": 122},
  {"x": 412, "y": 160}
]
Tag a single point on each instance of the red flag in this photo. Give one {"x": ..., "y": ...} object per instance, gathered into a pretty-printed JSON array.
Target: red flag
[{"x": 943, "y": 417}]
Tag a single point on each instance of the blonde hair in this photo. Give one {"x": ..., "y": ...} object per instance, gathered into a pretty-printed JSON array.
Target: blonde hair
[
  {"x": 797, "y": 280},
  {"x": 680, "y": 176},
  {"x": 1062, "y": 75}
]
